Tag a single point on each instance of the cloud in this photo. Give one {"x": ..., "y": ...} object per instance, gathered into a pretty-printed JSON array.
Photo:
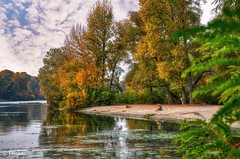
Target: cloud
[
  {"x": 29, "y": 28},
  {"x": 207, "y": 12},
  {"x": 7, "y": 55},
  {"x": 122, "y": 7}
]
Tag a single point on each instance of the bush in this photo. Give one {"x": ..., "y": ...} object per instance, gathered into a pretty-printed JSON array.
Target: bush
[
  {"x": 104, "y": 97},
  {"x": 126, "y": 98},
  {"x": 151, "y": 97},
  {"x": 100, "y": 96},
  {"x": 206, "y": 98},
  {"x": 139, "y": 98}
]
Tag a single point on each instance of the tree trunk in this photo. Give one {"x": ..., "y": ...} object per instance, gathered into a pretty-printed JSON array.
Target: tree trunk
[
  {"x": 151, "y": 94},
  {"x": 170, "y": 97},
  {"x": 183, "y": 99},
  {"x": 190, "y": 85}
]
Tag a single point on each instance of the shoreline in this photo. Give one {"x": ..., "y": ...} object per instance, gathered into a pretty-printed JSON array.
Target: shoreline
[
  {"x": 172, "y": 113},
  {"x": 150, "y": 112}
]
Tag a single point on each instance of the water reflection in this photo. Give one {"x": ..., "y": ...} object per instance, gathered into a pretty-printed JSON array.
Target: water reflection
[
  {"x": 62, "y": 128},
  {"x": 26, "y": 132},
  {"x": 20, "y": 125},
  {"x": 106, "y": 136}
]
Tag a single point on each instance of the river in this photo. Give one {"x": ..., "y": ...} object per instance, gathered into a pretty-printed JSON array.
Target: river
[{"x": 27, "y": 130}]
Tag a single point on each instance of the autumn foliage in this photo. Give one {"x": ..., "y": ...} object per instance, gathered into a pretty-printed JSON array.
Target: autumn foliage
[{"x": 87, "y": 69}]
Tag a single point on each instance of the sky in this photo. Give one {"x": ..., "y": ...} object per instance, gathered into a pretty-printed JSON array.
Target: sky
[{"x": 29, "y": 28}]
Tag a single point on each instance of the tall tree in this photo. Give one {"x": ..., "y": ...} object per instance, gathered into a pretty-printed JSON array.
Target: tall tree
[
  {"x": 171, "y": 57},
  {"x": 140, "y": 76},
  {"x": 99, "y": 34}
]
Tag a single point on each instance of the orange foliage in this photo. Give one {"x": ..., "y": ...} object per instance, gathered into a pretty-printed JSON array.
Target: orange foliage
[
  {"x": 84, "y": 94},
  {"x": 88, "y": 76},
  {"x": 80, "y": 79},
  {"x": 73, "y": 100}
]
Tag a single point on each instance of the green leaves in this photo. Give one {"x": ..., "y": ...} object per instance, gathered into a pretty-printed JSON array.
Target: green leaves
[
  {"x": 220, "y": 61},
  {"x": 204, "y": 140}
]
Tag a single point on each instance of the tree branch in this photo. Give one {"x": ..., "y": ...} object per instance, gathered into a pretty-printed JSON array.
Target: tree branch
[{"x": 225, "y": 141}]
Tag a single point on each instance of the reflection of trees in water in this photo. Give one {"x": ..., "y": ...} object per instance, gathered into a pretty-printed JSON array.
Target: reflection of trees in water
[
  {"x": 16, "y": 120},
  {"x": 167, "y": 126},
  {"x": 101, "y": 136},
  {"x": 18, "y": 116},
  {"x": 141, "y": 124},
  {"x": 141, "y": 135},
  {"x": 64, "y": 127}
]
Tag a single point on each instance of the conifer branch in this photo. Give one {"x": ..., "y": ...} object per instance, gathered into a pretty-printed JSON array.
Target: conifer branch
[
  {"x": 236, "y": 146},
  {"x": 219, "y": 136}
]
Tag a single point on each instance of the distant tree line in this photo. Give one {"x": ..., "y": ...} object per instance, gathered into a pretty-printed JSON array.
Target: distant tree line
[{"x": 18, "y": 86}]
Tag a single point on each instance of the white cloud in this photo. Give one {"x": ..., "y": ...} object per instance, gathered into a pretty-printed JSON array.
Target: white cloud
[
  {"x": 29, "y": 28},
  {"x": 2, "y": 14},
  {"x": 207, "y": 12},
  {"x": 7, "y": 55},
  {"x": 48, "y": 23}
]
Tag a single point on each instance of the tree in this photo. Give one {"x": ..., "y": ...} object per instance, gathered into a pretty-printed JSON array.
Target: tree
[
  {"x": 6, "y": 85},
  {"x": 101, "y": 43},
  {"x": 220, "y": 45},
  {"x": 34, "y": 88},
  {"x": 47, "y": 76},
  {"x": 99, "y": 34},
  {"x": 87, "y": 69},
  {"x": 21, "y": 81},
  {"x": 170, "y": 57}
]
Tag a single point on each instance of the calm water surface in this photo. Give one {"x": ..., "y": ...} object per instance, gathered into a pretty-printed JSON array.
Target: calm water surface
[{"x": 28, "y": 131}]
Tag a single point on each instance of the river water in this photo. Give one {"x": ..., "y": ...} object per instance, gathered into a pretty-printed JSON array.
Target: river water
[{"x": 29, "y": 131}]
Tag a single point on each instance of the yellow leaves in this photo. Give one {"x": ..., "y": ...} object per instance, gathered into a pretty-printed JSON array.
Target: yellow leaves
[
  {"x": 164, "y": 70},
  {"x": 77, "y": 98},
  {"x": 178, "y": 65},
  {"x": 142, "y": 49},
  {"x": 177, "y": 53},
  {"x": 171, "y": 70},
  {"x": 73, "y": 100},
  {"x": 168, "y": 69}
]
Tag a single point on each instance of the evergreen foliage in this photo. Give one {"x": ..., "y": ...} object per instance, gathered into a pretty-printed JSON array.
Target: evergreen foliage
[{"x": 221, "y": 59}]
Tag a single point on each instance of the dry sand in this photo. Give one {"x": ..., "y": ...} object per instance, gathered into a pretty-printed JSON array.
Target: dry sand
[{"x": 177, "y": 112}]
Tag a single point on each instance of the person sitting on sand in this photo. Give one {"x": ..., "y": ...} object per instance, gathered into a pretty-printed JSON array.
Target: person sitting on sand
[{"x": 160, "y": 108}]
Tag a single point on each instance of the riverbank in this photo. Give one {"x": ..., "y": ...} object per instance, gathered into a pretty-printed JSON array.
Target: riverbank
[
  {"x": 170, "y": 112},
  {"x": 173, "y": 113}
]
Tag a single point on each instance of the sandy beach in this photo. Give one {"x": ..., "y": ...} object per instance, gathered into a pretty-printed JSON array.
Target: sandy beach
[
  {"x": 174, "y": 113},
  {"x": 171, "y": 112}
]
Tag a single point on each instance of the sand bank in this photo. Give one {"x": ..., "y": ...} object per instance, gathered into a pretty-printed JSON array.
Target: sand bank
[{"x": 171, "y": 112}]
